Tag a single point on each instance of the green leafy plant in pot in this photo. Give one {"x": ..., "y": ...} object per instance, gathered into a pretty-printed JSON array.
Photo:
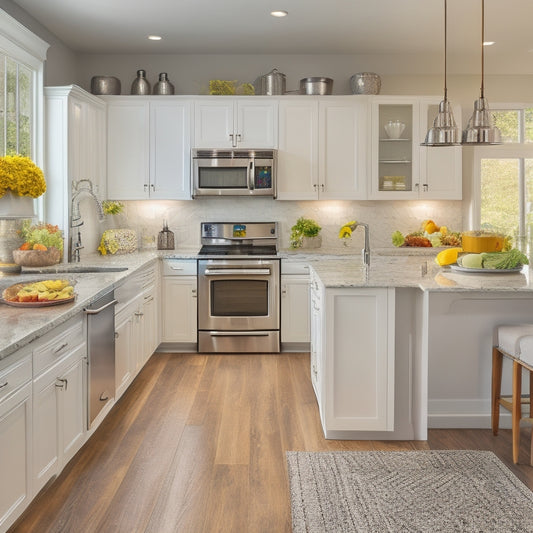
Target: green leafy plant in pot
[{"x": 304, "y": 232}]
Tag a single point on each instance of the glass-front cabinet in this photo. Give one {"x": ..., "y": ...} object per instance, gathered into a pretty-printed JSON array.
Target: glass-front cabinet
[{"x": 401, "y": 167}]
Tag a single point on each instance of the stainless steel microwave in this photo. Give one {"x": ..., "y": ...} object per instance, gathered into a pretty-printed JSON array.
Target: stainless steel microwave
[{"x": 234, "y": 172}]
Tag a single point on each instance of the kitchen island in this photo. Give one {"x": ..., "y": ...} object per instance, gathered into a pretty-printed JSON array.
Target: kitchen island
[{"x": 405, "y": 345}]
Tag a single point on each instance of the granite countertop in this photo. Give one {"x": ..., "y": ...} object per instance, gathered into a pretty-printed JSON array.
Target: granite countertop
[
  {"x": 21, "y": 325},
  {"x": 414, "y": 271},
  {"x": 409, "y": 268}
]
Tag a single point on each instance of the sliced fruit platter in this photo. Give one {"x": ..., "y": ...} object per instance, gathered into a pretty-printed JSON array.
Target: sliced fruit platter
[
  {"x": 485, "y": 262},
  {"x": 39, "y": 293}
]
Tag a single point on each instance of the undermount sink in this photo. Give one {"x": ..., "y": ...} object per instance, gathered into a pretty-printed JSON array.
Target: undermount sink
[{"x": 72, "y": 269}]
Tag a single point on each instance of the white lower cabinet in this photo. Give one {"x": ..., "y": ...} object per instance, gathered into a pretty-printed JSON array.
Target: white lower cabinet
[
  {"x": 295, "y": 317},
  {"x": 59, "y": 406},
  {"x": 137, "y": 332},
  {"x": 179, "y": 309},
  {"x": 353, "y": 345},
  {"x": 179, "y": 303},
  {"x": 15, "y": 437}
]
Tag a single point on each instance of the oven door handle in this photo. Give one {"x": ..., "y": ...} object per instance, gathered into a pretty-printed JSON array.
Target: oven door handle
[
  {"x": 239, "y": 334},
  {"x": 237, "y": 271}
]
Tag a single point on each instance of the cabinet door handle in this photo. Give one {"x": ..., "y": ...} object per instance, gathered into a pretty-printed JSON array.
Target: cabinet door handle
[
  {"x": 148, "y": 299},
  {"x": 5, "y": 384},
  {"x": 322, "y": 187},
  {"x": 117, "y": 334},
  {"x": 417, "y": 186},
  {"x": 63, "y": 383},
  {"x": 232, "y": 139},
  {"x": 138, "y": 313},
  {"x": 145, "y": 187},
  {"x": 59, "y": 348},
  {"x": 425, "y": 185},
  {"x": 152, "y": 186},
  {"x": 239, "y": 138},
  {"x": 315, "y": 185}
]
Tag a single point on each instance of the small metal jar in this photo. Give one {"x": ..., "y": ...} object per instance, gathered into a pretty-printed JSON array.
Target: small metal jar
[{"x": 163, "y": 86}]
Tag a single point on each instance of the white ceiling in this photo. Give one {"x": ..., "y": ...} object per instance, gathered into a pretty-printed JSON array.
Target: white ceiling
[{"x": 404, "y": 27}]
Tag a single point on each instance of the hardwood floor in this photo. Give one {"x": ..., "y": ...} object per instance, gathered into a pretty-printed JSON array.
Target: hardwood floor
[{"x": 197, "y": 444}]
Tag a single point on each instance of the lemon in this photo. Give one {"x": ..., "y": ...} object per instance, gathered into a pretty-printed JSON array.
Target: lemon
[{"x": 448, "y": 257}]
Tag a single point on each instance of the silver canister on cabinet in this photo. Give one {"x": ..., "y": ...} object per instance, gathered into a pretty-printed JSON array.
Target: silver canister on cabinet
[
  {"x": 140, "y": 84},
  {"x": 270, "y": 84},
  {"x": 163, "y": 86}
]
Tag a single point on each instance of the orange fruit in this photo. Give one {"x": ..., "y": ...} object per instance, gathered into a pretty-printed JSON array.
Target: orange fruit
[
  {"x": 25, "y": 246},
  {"x": 41, "y": 247}
]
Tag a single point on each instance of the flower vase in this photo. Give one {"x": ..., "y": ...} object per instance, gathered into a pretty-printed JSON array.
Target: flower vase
[{"x": 15, "y": 206}]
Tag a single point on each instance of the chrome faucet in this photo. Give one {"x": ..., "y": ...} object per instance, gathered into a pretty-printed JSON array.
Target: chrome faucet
[
  {"x": 80, "y": 188},
  {"x": 365, "y": 252}
]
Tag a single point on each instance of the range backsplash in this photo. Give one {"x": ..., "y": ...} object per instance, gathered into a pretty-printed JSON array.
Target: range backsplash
[{"x": 184, "y": 218}]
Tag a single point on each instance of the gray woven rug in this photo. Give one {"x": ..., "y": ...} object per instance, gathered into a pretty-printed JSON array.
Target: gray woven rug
[{"x": 418, "y": 491}]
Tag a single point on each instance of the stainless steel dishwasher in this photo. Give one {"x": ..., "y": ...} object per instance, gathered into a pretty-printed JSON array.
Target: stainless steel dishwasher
[{"x": 101, "y": 354}]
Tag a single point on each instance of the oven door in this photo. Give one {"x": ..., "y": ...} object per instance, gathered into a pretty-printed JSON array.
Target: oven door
[
  {"x": 222, "y": 176},
  {"x": 238, "y": 295}
]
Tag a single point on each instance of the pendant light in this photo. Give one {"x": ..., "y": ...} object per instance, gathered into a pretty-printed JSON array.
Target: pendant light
[
  {"x": 481, "y": 128},
  {"x": 444, "y": 131}
]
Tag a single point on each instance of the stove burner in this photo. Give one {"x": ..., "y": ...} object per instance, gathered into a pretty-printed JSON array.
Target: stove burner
[{"x": 213, "y": 249}]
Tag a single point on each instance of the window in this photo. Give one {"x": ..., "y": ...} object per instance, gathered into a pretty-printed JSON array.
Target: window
[
  {"x": 506, "y": 177},
  {"x": 16, "y": 108}
]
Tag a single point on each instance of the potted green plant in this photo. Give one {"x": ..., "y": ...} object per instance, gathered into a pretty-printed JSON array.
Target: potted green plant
[{"x": 305, "y": 234}]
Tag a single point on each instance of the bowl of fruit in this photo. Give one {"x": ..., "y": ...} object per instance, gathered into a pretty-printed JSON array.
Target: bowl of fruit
[{"x": 43, "y": 246}]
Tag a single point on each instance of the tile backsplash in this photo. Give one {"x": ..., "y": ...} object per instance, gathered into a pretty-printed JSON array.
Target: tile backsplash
[{"x": 184, "y": 217}]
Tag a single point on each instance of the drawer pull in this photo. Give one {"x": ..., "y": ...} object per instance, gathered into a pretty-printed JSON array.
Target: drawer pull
[
  {"x": 62, "y": 347},
  {"x": 63, "y": 383},
  {"x": 5, "y": 384}
]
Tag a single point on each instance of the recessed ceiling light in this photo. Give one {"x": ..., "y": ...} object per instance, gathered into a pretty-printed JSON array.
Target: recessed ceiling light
[
  {"x": 279, "y": 13},
  {"x": 154, "y": 37},
  {"x": 489, "y": 43}
]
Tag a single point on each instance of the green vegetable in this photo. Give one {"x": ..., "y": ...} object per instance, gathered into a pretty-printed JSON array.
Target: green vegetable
[
  {"x": 304, "y": 227},
  {"x": 397, "y": 238},
  {"x": 504, "y": 260}
]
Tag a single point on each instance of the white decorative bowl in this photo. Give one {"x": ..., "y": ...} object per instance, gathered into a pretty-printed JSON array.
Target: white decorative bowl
[{"x": 394, "y": 129}]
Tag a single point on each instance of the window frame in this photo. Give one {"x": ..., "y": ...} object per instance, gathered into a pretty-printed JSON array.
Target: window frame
[
  {"x": 26, "y": 48},
  {"x": 519, "y": 150}
]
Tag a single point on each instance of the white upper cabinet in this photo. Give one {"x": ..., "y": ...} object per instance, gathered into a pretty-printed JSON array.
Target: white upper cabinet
[
  {"x": 401, "y": 167},
  {"x": 322, "y": 148},
  {"x": 342, "y": 155},
  {"x": 246, "y": 122},
  {"x": 148, "y": 148},
  {"x": 297, "y": 173}
]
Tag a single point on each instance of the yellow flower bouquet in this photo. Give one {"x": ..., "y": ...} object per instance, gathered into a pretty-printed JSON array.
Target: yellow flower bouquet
[{"x": 21, "y": 176}]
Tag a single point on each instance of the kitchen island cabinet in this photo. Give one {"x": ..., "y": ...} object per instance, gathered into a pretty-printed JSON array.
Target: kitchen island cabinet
[
  {"x": 442, "y": 336},
  {"x": 353, "y": 357}
]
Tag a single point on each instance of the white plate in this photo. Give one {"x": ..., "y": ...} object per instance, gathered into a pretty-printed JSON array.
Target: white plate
[{"x": 459, "y": 268}]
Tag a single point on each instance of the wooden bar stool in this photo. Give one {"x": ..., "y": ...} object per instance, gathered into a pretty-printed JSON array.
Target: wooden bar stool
[{"x": 515, "y": 342}]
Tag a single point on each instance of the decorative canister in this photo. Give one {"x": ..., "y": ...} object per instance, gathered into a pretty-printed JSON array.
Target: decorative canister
[
  {"x": 140, "y": 84},
  {"x": 165, "y": 239},
  {"x": 105, "y": 85},
  {"x": 365, "y": 83},
  {"x": 163, "y": 86}
]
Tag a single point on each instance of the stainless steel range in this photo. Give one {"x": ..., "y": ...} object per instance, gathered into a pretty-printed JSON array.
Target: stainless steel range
[{"x": 239, "y": 288}]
